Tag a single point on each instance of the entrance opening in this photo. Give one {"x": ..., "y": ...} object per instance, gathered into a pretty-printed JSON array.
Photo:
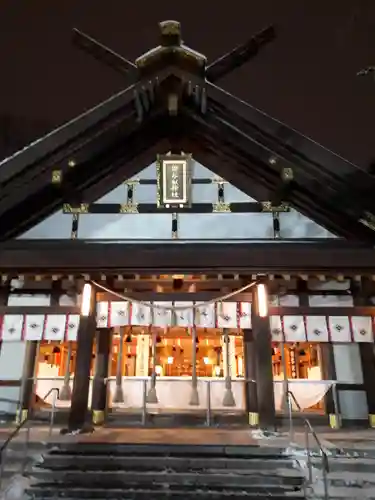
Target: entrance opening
[
  {"x": 174, "y": 355},
  {"x": 302, "y": 364}
]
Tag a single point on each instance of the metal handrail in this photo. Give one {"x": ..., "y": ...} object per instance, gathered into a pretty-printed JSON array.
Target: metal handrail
[
  {"x": 323, "y": 453},
  {"x": 22, "y": 424}
]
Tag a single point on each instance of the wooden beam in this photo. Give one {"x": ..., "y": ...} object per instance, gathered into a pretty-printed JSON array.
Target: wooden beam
[
  {"x": 153, "y": 208},
  {"x": 85, "y": 257},
  {"x": 322, "y": 311},
  {"x": 39, "y": 310}
]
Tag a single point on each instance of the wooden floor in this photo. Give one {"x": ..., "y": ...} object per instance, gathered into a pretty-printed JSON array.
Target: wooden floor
[
  {"x": 175, "y": 436},
  {"x": 225, "y": 437}
]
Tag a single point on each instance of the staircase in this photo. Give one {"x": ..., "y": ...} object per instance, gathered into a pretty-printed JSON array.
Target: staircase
[
  {"x": 351, "y": 475},
  {"x": 157, "y": 471}
]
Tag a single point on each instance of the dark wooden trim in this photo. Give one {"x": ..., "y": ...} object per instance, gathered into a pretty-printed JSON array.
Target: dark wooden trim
[
  {"x": 209, "y": 288},
  {"x": 10, "y": 383},
  {"x": 4, "y": 295},
  {"x": 83, "y": 256},
  {"x": 189, "y": 297},
  {"x": 153, "y": 208},
  {"x": 329, "y": 373},
  {"x": 342, "y": 387},
  {"x": 153, "y": 182},
  {"x": 361, "y": 292},
  {"x": 62, "y": 136},
  {"x": 39, "y": 310},
  {"x": 304, "y": 152},
  {"x": 322, "y": 311}
]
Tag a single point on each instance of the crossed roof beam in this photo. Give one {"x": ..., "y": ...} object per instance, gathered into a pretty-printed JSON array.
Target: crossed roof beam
[{"x": 221, "y": 67}]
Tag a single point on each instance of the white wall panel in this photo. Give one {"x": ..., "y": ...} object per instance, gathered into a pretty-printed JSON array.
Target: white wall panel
[
  {"x": 191, "y": 226},
  {"x": 12, "y": 354}
]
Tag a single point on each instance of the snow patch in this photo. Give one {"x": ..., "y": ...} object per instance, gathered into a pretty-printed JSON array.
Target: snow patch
[
  {"x": 15, "y": 489},
  {"x": 262, "y": 434}
]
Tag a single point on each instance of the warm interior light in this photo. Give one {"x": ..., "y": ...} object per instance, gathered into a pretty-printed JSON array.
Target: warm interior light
[
  {"x": 262, "y": 300},
  {"x": 240, "y": 366},
  {"x": 217, "y": 371},
  {"x": 170, "y": 360},
  {"x": 206, "y": 360},
  {"x": 158, "y": 369},
  {"x": 86, "y": 300}
]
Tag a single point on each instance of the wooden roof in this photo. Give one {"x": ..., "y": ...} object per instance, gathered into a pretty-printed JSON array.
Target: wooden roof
[{"x": 123, "y": 135}]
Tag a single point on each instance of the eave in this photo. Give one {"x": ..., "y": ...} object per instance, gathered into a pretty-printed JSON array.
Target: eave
[{"x": 90, "y": 256}]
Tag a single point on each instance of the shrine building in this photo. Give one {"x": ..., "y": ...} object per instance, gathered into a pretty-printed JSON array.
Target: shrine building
[{"x": 174, "y": 251}]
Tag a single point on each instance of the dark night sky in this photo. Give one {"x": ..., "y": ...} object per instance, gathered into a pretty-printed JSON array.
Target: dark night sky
[{"x": 306, "y": 78}]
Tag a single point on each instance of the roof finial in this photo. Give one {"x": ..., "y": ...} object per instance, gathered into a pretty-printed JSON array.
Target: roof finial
[{"x": 170, "y": 33}]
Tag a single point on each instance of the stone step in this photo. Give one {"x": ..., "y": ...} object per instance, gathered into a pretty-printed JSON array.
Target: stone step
[
  {"x": 347, "y": 478},
  {"x": 347, "y": 464},
  {"x": 353, "y": 452},
  {"x": 176, "y": 463},
  {"x": 163, "y": 492},
  {"x": 120, "y": 479},
  {"x": 342, "y": 492},
  {"x": 182, "y": 450}
]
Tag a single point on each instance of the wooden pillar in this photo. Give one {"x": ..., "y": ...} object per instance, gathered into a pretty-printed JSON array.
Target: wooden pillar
[
  {"x": 4, "y": 295},
  {"x": 264, "y": 375},
  {"x": 27, "y": 383},
  {"x": 99, "y": 385},
  {"x": 361, "y": 297},
  {"x": 251, "y": 399},
  {"x": 329, "y": 373},
  {"x": 81, "y": 384}
]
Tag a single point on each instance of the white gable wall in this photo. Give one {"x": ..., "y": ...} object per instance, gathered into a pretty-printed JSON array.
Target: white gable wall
[{"x": 190, "y": 226}]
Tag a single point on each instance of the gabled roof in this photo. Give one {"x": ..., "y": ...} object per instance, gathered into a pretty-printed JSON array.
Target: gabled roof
[{"x": 173, "y": 104}]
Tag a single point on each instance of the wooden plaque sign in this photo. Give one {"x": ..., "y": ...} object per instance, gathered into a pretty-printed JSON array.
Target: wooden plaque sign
[{"x": 174, "y": 180}]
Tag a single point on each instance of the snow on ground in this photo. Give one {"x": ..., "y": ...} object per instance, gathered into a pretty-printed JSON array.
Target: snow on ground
[{"x": 15, "y": 489}]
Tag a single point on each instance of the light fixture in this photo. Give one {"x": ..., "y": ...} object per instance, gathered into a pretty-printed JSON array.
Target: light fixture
[
  {"x": 206, "y": 360},
  {"x": 158, "y": 369},
  {"x": 217, "y": 371},
  {"x": 262, "y": 300},
  {"x": 86, "y": 300},
  {"x": 170, "y": 360}
]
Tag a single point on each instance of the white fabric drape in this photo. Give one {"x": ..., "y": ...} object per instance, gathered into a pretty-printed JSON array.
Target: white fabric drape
[
  {"x": 294, "y": 329},
  {"x": 55, "y": 327},
  {"x": 316, "y": 328},
  {"x": 276, "y": 329},
  {"x": 227, "y": 315},
  {"x": 72, "y": 325},
  {"x": 34, "y": 326},
  {"x": 119, "y": 314},
  {"x": 362, "y": 329},
  {"x": 184, "y": 317},
  {"x": 308, "y": 393},
  {"x": 12, "y": 327},
  {"x": 339, "y": 328}
]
